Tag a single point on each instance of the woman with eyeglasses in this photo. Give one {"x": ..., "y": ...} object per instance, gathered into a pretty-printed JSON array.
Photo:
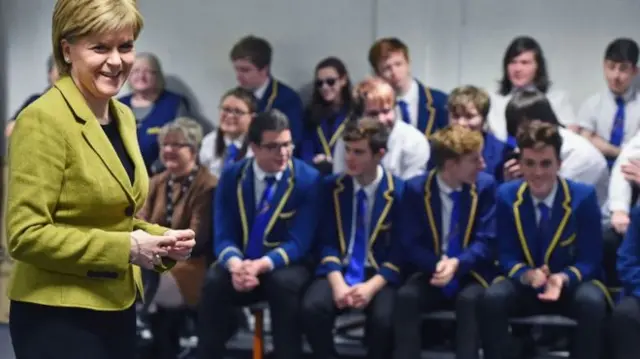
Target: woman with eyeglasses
[
  {"x": 325, "y": 115},
  {"x": 227, "y": 144}
]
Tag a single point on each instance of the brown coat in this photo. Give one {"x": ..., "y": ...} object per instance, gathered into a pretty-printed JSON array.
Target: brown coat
[{"x": 193, "y": 210}]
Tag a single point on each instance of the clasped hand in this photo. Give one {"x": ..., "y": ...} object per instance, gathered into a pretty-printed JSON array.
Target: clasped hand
[
  {"x": 552, "y": 283},
  {"x": 446, "y": 269},
  {"x": 244, "y": 274},
  {"x": 147, "y": 250},
  {"x": 357, "y": 296}
]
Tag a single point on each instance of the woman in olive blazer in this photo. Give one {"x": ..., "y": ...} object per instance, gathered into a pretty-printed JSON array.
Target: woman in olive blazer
[{"x": 76, "y": 179}]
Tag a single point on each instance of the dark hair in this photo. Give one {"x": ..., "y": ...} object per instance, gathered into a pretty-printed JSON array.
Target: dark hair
[
  {"x": 622, "y": 50},
  {"x": 253, "y": 49},
  {"x": 271, "y": 120},
  {"x": 536, "y": 133},
  {"x": 319, "y": 110},
  {"x": 250, "y": 100},
  {"x": 370, "y": 129},
  {"x": 516, "y": 48},
  {"x": 526, "y": 105}
]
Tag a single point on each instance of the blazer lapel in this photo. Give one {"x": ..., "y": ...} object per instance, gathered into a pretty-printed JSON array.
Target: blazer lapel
[
  {"x": 131, "y": 145},
  {"x": 381, "y": 207},
  {"x": 560, "y": 214},
  {"x": 433, "y": 208},
  {"x": 284, "y": 188},
  {"x": 468, "y": 206},
  {"x": 94, "y": 134},
  {"x": 525, "y": 221},
  {"x": 426, "y": 111},
  {"x": 246, "y": 200},
  {"x": 343, "y": 207}
]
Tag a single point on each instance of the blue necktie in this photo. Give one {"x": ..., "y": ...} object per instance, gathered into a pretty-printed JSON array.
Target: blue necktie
[
  {"x": 617, "y": 131},
  {"x": 543, "y": 232},
  {"x": 254, "y": 247},
  {"x": 454, "y": 241},
  {"x": 232, "y": 154},
  {"x": 404, "y": 110},
  {"x": 355, "y": 270}
]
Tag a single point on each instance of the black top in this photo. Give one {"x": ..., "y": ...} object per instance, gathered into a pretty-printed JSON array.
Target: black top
[{"x": 111, "y": 130}]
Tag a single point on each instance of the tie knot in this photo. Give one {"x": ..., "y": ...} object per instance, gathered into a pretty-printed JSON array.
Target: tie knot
[
  {"x": 619, "y": 100},
  {"x": 402, "y": 103},
  {"x": 270, "y": 180},
  {"x": 361, "y": 194},
  {"x": 543, "y": 208},
  {"x": 454, "y": 195}
]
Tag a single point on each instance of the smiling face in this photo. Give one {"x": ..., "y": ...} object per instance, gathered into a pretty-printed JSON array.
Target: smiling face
[
  {"x": 101, "y": 63},
  {"x": 144, "y": 76},
  {"x": 539, "y": 166}
]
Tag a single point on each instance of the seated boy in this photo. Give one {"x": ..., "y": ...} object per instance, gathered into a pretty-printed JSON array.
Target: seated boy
[
  {"x": 448, "y": 224},
  {"x": 360, "y": 244}
]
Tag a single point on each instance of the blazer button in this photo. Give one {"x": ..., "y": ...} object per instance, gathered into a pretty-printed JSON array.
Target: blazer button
[{"x": 128, "y": 211}]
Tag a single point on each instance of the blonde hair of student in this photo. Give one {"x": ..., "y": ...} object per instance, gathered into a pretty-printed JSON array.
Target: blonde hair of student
[
  {"x": 453, "y": 142},
  {"x": 375, "y": 91},
  {"x": 462, "y": 96},
  {"x": 74, "y": 19}
]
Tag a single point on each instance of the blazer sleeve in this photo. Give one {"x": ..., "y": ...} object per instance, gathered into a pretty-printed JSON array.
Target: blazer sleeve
[
  {"x": 226, "y": 234},
  {"x": 37, "y": 162},
  {"x": 391, "y": 269},
  {"x": 628, "y": 263},
  {"x": 415, "y": 239},
  {"x": 589, "y": 241},
  {"x": 303, "y": 226},
  {"x": 510, "y": 255},
  {"x": 330, "y": 256},
  {"x": 484, "y": 231}
]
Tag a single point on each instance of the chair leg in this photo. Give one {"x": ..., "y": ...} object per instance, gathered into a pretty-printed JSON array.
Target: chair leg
[{"x": 258, "y": 335}]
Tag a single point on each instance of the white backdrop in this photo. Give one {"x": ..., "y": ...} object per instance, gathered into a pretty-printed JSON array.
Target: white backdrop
[{"x": 451, "y": 41}]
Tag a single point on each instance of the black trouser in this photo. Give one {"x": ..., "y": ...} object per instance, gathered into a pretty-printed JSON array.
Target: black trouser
[
  {"x": 39, "y": 331},
  {"x": 281, "y": 288},
  {"x": 319, "y": 313},
  {"x": 611, "y": 242},
  {"x": 417, "y": 296},
  {"x": 585, "y": 302},
  {"x": 625, "y": 329}
]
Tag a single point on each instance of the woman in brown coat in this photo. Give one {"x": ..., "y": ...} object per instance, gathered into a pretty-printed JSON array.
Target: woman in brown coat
[{"x": 180, "y": 197}]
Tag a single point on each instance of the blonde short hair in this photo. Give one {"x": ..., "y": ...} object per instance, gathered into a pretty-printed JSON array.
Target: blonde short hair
[
  {"x": 73, "y": 19},
  {"x": 189, "y": 128},
  {"x": 462, "y": 96},
  {"x": 375, "y": 90},
  {"x": 453, "y": 142}
]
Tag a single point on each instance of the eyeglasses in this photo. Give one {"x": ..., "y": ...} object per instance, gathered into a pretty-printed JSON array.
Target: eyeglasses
[
  {"x": 329, "y": 81},
  {"x": 277, "y": 147},
  {"x": 175, "y": 146},
  {"x": 233, "y": 111}
]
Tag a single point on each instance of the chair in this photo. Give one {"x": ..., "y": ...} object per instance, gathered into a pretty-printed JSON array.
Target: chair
[{"x": 257, "y": 310}]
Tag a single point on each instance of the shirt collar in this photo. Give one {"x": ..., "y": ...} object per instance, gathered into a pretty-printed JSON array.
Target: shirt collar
[
  {"x": 445, "y": 187},
  {"x": 371, "y": 188},
  {"x": 261, "y": 174},
  {"x": 627, "y": 96},
  {"x": 260, "y": 91},
  {"x": 411, "y": 96},
  {"x": 548, "y": 201},
  {"x": 238, "y": 141}
]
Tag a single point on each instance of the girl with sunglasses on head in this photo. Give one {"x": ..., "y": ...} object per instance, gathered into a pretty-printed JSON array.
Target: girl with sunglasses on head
[{"x": 325, "y": 115}]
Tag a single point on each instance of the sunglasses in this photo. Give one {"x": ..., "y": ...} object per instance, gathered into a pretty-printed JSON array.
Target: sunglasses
[{"x": 329, "y": 82}]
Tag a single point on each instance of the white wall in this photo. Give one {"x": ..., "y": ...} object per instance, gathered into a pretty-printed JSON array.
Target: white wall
[{"x": 452, "y": 42}]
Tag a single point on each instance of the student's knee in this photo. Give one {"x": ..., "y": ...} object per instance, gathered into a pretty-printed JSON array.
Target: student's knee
[
  {"x": 495, "y": 297},
  {"x": 590, "y": 301},
  {"x": 469, "y": 296},
  {"x": 625, "y": 313}
]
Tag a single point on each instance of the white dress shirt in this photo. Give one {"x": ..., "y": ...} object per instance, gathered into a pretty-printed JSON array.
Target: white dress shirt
[
  {"x": 411, "y": 97},
  {"x": 446, "y": 208},
  {"x": 259, "y": 183},
  {"x": 582, "y": 162},
  {"x": 407, "y": 154},
  {"x": 620, "y": 190},
  {"x": 548, "y": 201},
  {"x": 497, "y": 123},
  {"x": 260, "y": 91},
  {"x": 597, "y": 114},
  {"x": 370, "y": 192},
  {"x": 212, "y": 160}
]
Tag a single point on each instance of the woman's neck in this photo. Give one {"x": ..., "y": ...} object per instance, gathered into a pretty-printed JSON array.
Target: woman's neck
[
  {"x": 145, "y": 98},
  {"x": 184, "y": 171},
  {"x": 99, "y": 107}
]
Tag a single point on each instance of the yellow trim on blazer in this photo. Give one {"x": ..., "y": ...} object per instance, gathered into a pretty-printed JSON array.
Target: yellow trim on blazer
[
  {"x": 274, "y": 215},
  {"x": 336, "y": 209},
  {"x": 274, "y": 94},
  {"x": 430, "y": 109},
  {"x": 566, "y": 205},
  {"x": 326, "y": 146},
  {"x": 153, "y": 130}
]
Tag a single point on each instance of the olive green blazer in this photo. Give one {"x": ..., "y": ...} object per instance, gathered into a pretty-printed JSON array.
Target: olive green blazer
[{"x": 71, "y": 205}]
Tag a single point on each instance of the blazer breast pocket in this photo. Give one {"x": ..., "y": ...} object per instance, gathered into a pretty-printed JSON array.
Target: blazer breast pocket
[{"x": 384, "y": 233}]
